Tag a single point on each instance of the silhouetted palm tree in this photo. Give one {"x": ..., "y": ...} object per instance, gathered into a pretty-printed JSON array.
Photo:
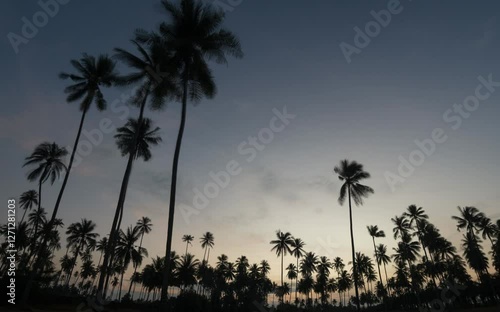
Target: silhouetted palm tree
[
  {"x": 292, "y": 274},
  {"x": 48, "y": 159},
  {"x": 207, "y": 242},
  {"x": 193, "y": 36},
  {"x": 352, "y": 173},
  {"x": 135, "y": 140},
  {"x": 297, "y": 252},
  {"x": 187, "y": 239},
  {"x": 375, "y": 232},
  {"x": 127, "y": 252},
  {"x": 281, "y": 245},
  {"x": 382, "y": 257},
  {"x": 401, "y": 226},
  {"x": 92, "y": 74},
  {"x": 81, "y": 236},
  {"x": 144, "y": 226},
  {"x": 27, "y": 200}
]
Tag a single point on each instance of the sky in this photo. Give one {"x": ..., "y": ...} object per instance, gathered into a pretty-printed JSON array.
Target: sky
[{"x": 362, "y": 97}]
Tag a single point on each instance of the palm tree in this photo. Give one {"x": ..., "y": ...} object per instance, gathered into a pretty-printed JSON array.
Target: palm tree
[
  {"x": 47, "y": 157},
  {"x": 126, "y": 251},
  {"x": 193, "y": 37},
  {"x": 27, "y": 200},
  {"x": 486, "y": 228},
  {"x": 382, "y": 257},
  {"x": 473, "y": 253},
  {"x": 281, "y": 246},
  {"x": 149, "y": 88},
  {"x": 187, "y": 239},
  {"x": 144, "y": 226},
  {"x": 92, "y": 74},
  {"x": 297, "y": 252},
  {"x": 134, "y": 139},
  {"x": 401, "y": 226},
  {"x": 292, "y": 274},
  {"x": 81, "y": 236},
  {"x": 338, "y": 265},
  {"x": 469, "y": 219},
  {"x": 186, "y": 270},
  {"x": 352, "y": 173},
  {"x": 207, "y": 242},
  {"x": 375, "y": 232}
]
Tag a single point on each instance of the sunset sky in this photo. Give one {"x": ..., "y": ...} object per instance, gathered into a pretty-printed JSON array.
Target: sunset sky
[{"x": 395, "y": 91}]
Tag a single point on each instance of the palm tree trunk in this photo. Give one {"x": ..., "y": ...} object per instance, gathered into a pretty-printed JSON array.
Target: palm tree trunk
[
  {"x": 121, "y": 284},
  {"x": 281, "y": 292},
  {"x": 173, "y": 186},
  {"x": 187, "y": 243},
  {"x": 354, "y": 265},
  {"x": 24, "y": 214},
  {"x": 297, "y": 278},
  {"x": 35, "y": 231}
]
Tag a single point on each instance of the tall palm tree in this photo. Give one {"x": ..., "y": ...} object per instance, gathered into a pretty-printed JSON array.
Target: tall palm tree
[
  {"x": 192, "y": 37},
  {"x": 91, "y": 74},
  {"x": 27, "y": 200},
  {"x": 81, "y": 236},
  {"x": 144, "y": 226},
  {"x": 297, "y": 251},
  {"x": 48, "y": 159},
  {"x": 352, "y": 173},
  {"x": 135, "y": 140},
  {"x": 207, "y": 242},
  {"x": 187, "y": 239},
  {"x": 127, "y": 252},
  {"x": 375, "y": 232},
  {"x": 281, "y": 246},
  {"x": 148, "y": 89}
]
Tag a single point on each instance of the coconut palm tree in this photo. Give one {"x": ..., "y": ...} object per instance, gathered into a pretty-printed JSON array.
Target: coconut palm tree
[
  {"x": 48, "y": 161},
  {"x": 297, "y": 251},
  {"x": 144, "y": 226},
  {"x": 338, "y": 265},
  {"x": 127, "y": 252},
  {"x": 473, "y": 253},
  {"x": 401, "y": 226},
  {"x": 149, "y": 88},
  {"x": 375, "y": 232},
  {"x": 134, "y": 139},
  {"x": 207, "y": 242},
  {"x": 91, "y": 74},
  {"x": 187, "y": 239},
  {"x": 27, "y": 200},
  {"x": 292, "y": 274},
  {"x": 486, "y": 228},
  {"x": 352, "y": 173},
  {"x": 192, "y": 37},
  {"x": 81, "y": 236},
  {"x": 383, "y": 258},
  {"x": 281, "y": 245},
  {"x": 469, "y": 220},
  {"x": 186, "y": 271}
]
